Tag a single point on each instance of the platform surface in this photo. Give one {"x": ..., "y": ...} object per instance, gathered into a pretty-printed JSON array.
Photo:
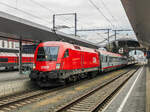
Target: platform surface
[
  {"x": 147, "y": 88},
  {"x": 11, "y": 75},
  {"x": 132, "y": 97}
]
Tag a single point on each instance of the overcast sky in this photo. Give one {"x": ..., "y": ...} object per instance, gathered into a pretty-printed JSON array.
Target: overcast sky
[{"x": 41, "y": 11}]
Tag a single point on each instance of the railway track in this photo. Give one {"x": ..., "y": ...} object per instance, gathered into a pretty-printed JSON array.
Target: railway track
[
  {"x": 11, "y": 102},
  {"x": 95, "y": 99},
  {"x": 16, "y": 101}
]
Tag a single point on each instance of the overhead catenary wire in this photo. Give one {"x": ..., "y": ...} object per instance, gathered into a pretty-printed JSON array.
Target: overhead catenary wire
[
  {"x": 66, "y": 19},
  {"x": 101, "y": 35},
  {"x": 101, "y": 12},
  {"x": 16, "y": 3},
  {"x": 50, "y": 10},
  {"x": 27, "y": 13},
  {"x": 20, "y": 10},
  {"x": 109, "y": 12},
  {"x": 39, "y": 4},
  {"x": 42, "y": 6}
]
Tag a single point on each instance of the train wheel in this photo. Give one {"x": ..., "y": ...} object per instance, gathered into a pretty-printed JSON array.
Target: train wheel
[
  {"x": 74, "y": 78},
  {"x": 79, "y": 77},
  {"x": 6, "y": 68},
  {"x": 67, "y": 81},
  {"x": 33, "y": 80}
]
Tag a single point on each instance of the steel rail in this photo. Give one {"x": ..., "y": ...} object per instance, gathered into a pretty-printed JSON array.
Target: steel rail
[
  {"x": 32, "y": 96},
  {"x": 79, "y": 99}
]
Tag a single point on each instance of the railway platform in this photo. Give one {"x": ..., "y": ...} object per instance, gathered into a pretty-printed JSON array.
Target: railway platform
[
  {"x": 12, "y": 82},
  {"x": 148, "y": 88},
  {"x": 11, "y": 75},
  {"x": 134, "y": 96}
]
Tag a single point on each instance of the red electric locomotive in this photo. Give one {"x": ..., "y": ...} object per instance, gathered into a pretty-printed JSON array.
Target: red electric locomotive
[{"x": 59, "y": 62}]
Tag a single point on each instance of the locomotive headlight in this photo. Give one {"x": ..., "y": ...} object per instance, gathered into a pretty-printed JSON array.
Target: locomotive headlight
[
  {"x": 58, "y": 66},
  {"x": 34, "y": 66}
]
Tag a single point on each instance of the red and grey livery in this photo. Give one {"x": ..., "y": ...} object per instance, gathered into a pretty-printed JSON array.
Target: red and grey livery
[
  {"x": 60, "y": 62},
  {"x": 9, "y": 59}
]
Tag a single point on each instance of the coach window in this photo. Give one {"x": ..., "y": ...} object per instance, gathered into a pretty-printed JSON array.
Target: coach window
[
  {"x": 101, "y": 58},
  {"x": 106, "y": 58},
  {"x": 111, "y": 59},
  {"x": 66, "y": 53},
  {"x": 3, "y": 59}
]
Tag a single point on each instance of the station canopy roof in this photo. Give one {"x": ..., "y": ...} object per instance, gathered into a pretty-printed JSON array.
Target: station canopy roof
[
  {"x": 16, "y": 28},
  {"x": 139, "y": 17}
]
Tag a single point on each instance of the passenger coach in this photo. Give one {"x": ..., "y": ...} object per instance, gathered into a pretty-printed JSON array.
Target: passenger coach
[{"x": 111, "y": 61}]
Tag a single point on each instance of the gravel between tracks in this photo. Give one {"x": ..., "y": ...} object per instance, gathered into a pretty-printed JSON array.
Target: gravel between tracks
[
  {"x": 49, "y": 103},
  {"x": 91, "y": 100}
]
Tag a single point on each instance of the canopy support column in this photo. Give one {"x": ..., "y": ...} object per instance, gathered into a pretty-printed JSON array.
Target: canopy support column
[{"x": 20, "y": 56}]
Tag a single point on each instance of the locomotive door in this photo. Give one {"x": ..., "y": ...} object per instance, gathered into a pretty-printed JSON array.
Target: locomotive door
[
  {"x": 100, "y": 60},
  {"x": 106, "y": 62}
]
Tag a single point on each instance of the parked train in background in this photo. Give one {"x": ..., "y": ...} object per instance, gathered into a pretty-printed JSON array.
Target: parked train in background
[
  {"x": 9, "y": 58},
  {"x": 60, "y": 62}
]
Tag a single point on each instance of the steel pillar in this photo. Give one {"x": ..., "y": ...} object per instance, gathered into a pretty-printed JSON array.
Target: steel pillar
[
  {"x": 108, "y": 39},
  {"x": 75, "y": 24},
  {"x": 75, "y": 19},
  {"x": 20, "y": 56},
  {"x": 54, "y": 22},
  {"x": 115, "y": 35}
]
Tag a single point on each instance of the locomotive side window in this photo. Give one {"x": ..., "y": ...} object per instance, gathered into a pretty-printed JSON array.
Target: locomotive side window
[
  {"x": 47, "y": 53},
  {"x": 66, "y": 53},
  {"x": 40, "y": 54}
]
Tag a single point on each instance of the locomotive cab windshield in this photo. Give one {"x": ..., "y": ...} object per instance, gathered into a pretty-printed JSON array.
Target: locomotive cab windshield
[{"x": 47, "y": 53}]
